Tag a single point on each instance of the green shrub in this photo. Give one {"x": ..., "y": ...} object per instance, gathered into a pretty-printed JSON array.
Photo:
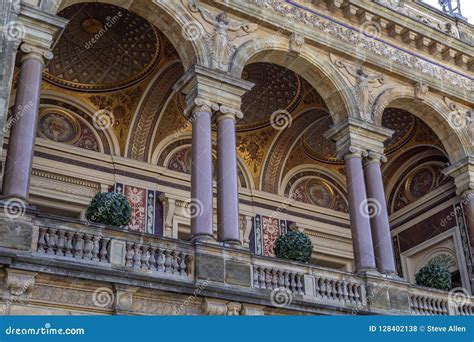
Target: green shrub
[
  {"x": 435, "y": 275},
  {"x": 110, "y": 208},
  {"x": 295, "y": 246}
]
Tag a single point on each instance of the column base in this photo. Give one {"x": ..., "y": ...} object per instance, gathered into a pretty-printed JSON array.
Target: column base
[
  {"x": 232, "y": 243},
  {"x": 367, "y": 271},
  {"x": 203, "y": 238}
]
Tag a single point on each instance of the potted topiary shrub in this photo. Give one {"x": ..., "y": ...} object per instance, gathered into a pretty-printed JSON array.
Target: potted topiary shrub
[
  {"x": 109, "y": 208},
  {"x": 295, "y": 246},
  {"x": 435, "y": 275}
]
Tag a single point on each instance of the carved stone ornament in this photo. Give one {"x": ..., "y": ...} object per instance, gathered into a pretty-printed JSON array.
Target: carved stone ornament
[
  {"x": 421, "y": 90},
  {"x": 459, "y": 117},
  {"x": 363, "y": 85},
  {"x": 18, "y": 282},
  {"x": 379, "y": 48},
  {"x": 220, "y": 40},
  {"x": 296, "y": 42}
]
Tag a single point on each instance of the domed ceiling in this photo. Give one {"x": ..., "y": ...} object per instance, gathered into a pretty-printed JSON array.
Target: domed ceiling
[
  {"x": 276, "y": 89},
  {"x": 321, "y": 149},
  {"x": 104, "y": 47}
]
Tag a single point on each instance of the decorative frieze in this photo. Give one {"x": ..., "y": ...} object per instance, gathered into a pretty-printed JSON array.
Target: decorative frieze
[{"x": 366, "y": 43}]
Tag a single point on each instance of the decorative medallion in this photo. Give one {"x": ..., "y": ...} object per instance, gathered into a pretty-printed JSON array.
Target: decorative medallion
[
  {"x": 276, "y": 88},
  {"x": 420, "y": 182},
  {"x": 104, "y": 47},
  {"x": 404, "y": 125},
  {"x": 59, "y": 126},
  {"x": 315, "y": 191}
]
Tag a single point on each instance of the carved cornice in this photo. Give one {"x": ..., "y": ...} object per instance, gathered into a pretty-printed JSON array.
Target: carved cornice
[{"x": 350, "y": 36}]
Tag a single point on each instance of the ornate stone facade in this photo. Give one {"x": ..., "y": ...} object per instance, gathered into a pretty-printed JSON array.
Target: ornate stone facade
[{"x": 226, "y": 125}]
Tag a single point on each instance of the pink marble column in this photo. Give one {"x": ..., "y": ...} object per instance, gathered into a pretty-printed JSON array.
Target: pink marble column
[
  {"x": 360, "y": 224},
  {"x": 16, "y": 180},
  {"x": 227, "y": 192},
  {"x": 382, "y": 239},
  {"x": 201, "y": 174}
]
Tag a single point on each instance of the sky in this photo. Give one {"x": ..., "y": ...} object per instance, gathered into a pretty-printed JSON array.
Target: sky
[{"x": 467, "y": 8}]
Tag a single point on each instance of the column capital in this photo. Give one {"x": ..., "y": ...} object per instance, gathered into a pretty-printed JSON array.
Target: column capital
[
  {"x": 357, "y": 135},
  {"x": 222, "y": 92},
  {"x": 38, "y": 28},
  {"x": 37, "y": 52},
  {"x": 376, "y": 157},
  {"x": 463, "y": 173}
]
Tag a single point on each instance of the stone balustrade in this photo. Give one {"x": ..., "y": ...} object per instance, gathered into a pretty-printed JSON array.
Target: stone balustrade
[{"x": 164, "y": 264}]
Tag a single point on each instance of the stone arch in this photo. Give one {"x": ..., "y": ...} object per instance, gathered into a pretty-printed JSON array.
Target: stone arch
[
  {"x": 308, "y": 63},
  {"x": 107, "y": 137},
  {"x": 167, "y": 16},
  {"x": 432, "y": 111}
]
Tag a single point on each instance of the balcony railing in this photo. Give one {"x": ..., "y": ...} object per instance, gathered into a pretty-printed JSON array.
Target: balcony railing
[{"x": 253, "y": 278}]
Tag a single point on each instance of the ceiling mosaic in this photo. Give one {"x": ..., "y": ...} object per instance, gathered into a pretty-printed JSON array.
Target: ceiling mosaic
[{"x": 104, "y": 47}]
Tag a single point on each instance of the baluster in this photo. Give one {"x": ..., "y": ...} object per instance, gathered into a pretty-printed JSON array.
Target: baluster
[
  {"x": 357, "y": 294},
  {"x": 274, "y": 279},
  {"x": 88, "y": 246},
  {"x": 255, "y": 278},
  {"x": 317, "y": 288},
  {"x": 350, "y": 288},
  {"x": 68, "y": 244},
  {"x": 329, "y": 289},
  {"x": 292, "y": 282},
  {"x": 78, "y": 246},
  {"x": 167, "y": 261},
  {"x": 182, "y": 264},
  {"x": 174, "y": 262},
  {"x": 42, "y": 240},
  {"x": 323, "y": 288},
  {"x": 161, "y": 260},
  {"x": 145, "y": 257},
  {"x": 287, "y": 280},
  {"x": 95, "y": 247},
  {"x": 60, "y": 243},
  {"x": 51, "y": 241},
  {"x": 281, "y": 279},
  {"x": 261, "y": 277},
  {"x": 340, "y": 293},
  {"x": 268, "y": 278},
  {"x": 129, "y": 254},
  {"x": 299, "y": 284},
  {"x": 104, "y": 251},
  {"x": 137, "y": 256},
  {"x": 152, "y": 259},
  {"x": 345, "y": 292}
]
